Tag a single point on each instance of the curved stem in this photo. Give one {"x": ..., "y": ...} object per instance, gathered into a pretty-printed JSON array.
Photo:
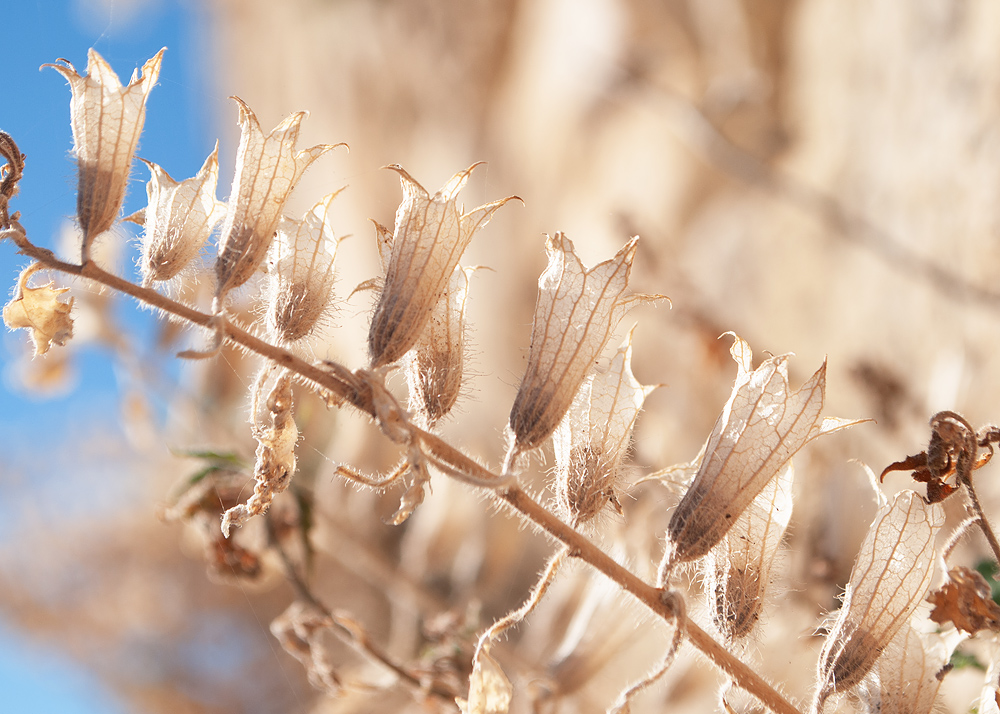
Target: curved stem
[{"x": 345, "y": 386}]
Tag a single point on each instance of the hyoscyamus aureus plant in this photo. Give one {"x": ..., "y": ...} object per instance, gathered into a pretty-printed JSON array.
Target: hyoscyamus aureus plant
[{"x": 738, "y": 491}]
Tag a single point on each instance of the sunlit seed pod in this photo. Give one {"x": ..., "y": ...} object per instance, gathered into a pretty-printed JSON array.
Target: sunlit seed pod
[
  {"x": 738, "y": 569},
  {"x": 178, "y": 219},
  {"x": 267, "y": 169},
  {"x": 761, "y": 427},
  {"x": 107, "y": 120},
  {"x": 890, "y": 578},
  {"x": 592, "y": 440},
  {"x": 435, "y": 365},
  {"x": 576, "y": 312},
  {"x": 300, "y": 275},
  {"x": 430, "y": 235}
]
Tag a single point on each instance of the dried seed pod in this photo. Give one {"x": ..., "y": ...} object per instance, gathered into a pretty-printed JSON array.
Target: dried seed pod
[
  {"x": 300, "y": 276},
  {"x": 761, "y": 427},
  {"x": 178, "y": 219},
  {"x": 430, "y": 236},
  {"x": 435, "y": 365},
  {"x": 908, "y": 675},
  {"x": 738, "y": 569},
  {"x": 276, "y": 434},
  {"x": 267, "y": 169},
  {"x": 592, "y": 439},
  {"x": 107, "y": 120},
  {"x": 890, "y": 577},
  {"x": 576, "y": 311}
]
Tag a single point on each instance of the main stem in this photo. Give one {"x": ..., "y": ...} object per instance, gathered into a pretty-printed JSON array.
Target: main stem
[{"x": 342, "y": 384}]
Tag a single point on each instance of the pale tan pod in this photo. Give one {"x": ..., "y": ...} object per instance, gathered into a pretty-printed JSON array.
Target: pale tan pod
[
  {"x": 300, "y": 274},
  {"x": 890, "y": 578},
  {"x": 267, "y": 169},
  {"x": 761, "y": 427},
  {"x": 430, "y": 235},
  {"x": 905, "y": 678},
  {"x": 738, "y": 569},
  {"x": 107, "y": 120},
  {"x": 593, "y": 438},
  {"x": 435, "y": 365},
  {"x": 576, "y": 311},
  {"x": 179, "y": 217}
]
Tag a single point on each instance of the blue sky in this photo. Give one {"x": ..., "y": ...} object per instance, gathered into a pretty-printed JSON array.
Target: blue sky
[{"x": 34, "y": 109}]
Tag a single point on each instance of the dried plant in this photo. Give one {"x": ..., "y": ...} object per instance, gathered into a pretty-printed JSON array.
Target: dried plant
[{"x": 729, "y": 523}]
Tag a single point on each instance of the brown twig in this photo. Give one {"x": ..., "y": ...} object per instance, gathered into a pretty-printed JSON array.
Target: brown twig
[
  {"x": 351, "y": 632},
  {"x": 351, "y": 387}
]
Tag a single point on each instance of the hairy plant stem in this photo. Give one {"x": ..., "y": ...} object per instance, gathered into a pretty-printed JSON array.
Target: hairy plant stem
[{"x": 352, "y": 387}]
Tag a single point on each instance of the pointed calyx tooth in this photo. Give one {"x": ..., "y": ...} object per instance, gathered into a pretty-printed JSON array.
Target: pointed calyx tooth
[
  {"x": 40, "y": 311},
  {"x": 430, "y": 235},
  {"x": 267, "y": 169},
  {"x": 179, "y": 217},
  {"x": 890, "y": 578},
  {"x": 761, "y": 427},
  {"x": 575, "y": 314},
  {"x": 593, "y": 438},
  {"x": 300, "y": 275},
  {"x": 107, "y": 120}
]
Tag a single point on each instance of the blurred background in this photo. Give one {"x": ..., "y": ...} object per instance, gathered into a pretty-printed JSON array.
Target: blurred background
[{"x": 818, "y": 176}]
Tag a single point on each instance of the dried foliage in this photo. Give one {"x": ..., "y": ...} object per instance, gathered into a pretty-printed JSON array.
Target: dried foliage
[{"x": 461, "y": 576}]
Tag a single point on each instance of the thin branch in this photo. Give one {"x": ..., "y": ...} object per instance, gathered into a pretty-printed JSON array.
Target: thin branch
[
  {"x": 351, "y": 632},
  {"x": 698, "y": 132},
  {"x": 349, "y": 387}
]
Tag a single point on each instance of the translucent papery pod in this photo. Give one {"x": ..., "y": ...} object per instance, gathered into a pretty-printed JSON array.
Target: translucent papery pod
[
  {"x": 435, "y": 365},
  {"x": 906, "y": 678},
  {"x": 761, "y": 427},
  {"x": 430, "y": 235},
  {"x": 276, "y": 434},
  {"x": 267, "y": 169},
  {"x": 179, "y": 217},
  {"x": 40, "y": 311},
  {"x": 890, "y": 578},
  {"x": 738, "y": 569},
  {"x": 575, "y": 313},
  {"x": 107, "y": 120},
  {"x": 593, "y": 438},
  {"x": 300, "y": 277}
]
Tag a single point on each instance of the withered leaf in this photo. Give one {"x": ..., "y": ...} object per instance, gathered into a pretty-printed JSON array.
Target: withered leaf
[
  {"x": 966, "y": 601},
  {"x": 40, "y": 311}
]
